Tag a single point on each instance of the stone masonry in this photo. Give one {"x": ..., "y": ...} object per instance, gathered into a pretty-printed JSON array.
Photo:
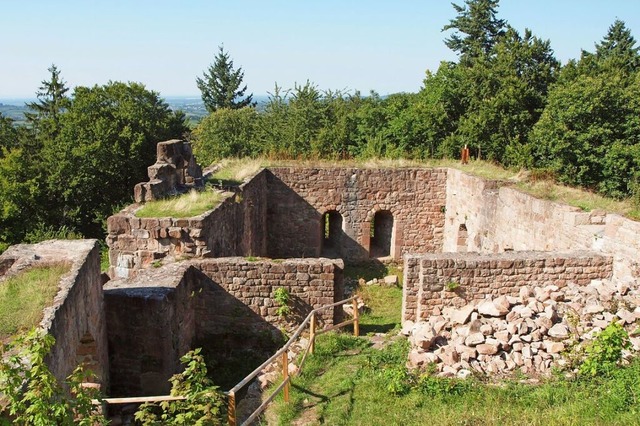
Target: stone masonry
[
  {"x": 298, "y": 197},
  {"x": 76, "y": 319},
  {"x": 175, "y": 171},
  {"x": 163, "y": 312},
  {"x": 454, "y": 279}
]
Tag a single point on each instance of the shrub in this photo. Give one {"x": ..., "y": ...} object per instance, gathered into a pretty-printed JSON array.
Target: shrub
[
  {"x": 282, "y": 298},
  {"x": 604, "y": 352},
  {"x": 204, "y": 404},
  {"x": 33, "y": 393}
]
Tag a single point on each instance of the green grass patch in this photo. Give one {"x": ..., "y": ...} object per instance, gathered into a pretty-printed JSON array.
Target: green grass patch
[
  {"x": 587, "y": 201},
  {"x": 190, "y": 204},
  {"x": 235, "y": 171},
  {"x": 24, "y": 296},
  {"x": 384, "y": 307},
  {"x": 347, "y": 383}
]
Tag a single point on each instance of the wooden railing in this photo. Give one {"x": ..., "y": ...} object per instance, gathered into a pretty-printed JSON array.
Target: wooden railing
[{"x": 310, "y": 321}]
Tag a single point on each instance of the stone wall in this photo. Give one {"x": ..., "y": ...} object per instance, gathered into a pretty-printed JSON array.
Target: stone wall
[
  {"x": 174, "y": 171},
  {"x": 76, "y": 318},
  {"x": 498, "y": 217},
  {"x": 151, "y": 325},
  {"x": 447, "y": 279},
  {"x": 237, "y": 226},
  {"x": 222, "y": 305},
  {"x": 299, "y": 197}
]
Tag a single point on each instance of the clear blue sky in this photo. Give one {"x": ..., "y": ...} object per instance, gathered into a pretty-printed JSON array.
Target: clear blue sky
[{"x": 338, "y": 44}]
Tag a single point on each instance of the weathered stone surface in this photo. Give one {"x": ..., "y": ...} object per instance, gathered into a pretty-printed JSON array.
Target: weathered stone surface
[
  {"x": 462, "y": 315},
  {"x": 474, "y": 339},
  {"x": 423, "y": 336},
  {"x": 391, "y": 280},
  {"x": 487, "y": 349},
  {"x": 559, "y": 331},
  {"x": 489, "y": 308}
]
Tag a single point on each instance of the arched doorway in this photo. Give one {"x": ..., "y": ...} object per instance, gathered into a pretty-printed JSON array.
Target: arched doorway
[
  {"x": 331, "y": 234},
  {"x": 381, "y": 234}
]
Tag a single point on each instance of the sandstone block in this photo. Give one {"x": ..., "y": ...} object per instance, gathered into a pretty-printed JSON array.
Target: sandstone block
[
  {"x": 423, "y": 336},
  {"x": 489, "y": 308},
  {"x": 461, "y": 315},
  {"x": 553, "y": 347},
  {"x": 626, "y": 316},
  {"x": 559, "y": 331},
  {"x": 487, "y": 349},
  {"x": 474, "y": 339}
]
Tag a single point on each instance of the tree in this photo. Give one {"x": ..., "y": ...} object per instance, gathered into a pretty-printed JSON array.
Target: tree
[
  {"x": 220, "y": 85},
  {"x": 107, "y": 140},
  {"x": 8, "y": 133},
  {"x": 33, "y": 394},
  {"x": 52, "y": 101},
  {"x": 226, "y": 133},
  {"x": 619, "y": 47},
  {"x": 589, "y": 132},
  {"x": 477, "y": 29}
]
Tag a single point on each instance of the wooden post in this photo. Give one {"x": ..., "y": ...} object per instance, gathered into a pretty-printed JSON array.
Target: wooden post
[
  {"x": 312, "y": 333},
  {"x": 285, "y": 374},
  {"x": 356, "y": 323},
  {"x": 231, "y": 411}
]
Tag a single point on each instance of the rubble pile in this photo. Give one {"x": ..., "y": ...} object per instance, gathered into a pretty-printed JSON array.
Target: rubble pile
[{"x": 529, "y": 332}]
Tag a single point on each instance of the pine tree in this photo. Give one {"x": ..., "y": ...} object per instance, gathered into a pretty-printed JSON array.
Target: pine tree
[
  {"x": 52, "y": 101},
  {"x": 619, "y": 46},
  {"x": 477, "y": 29},
  {"x": 220, "y": 85}
]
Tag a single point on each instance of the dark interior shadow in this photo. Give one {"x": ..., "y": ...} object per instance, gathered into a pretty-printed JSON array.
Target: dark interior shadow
[{"x": 234, "y": 339}]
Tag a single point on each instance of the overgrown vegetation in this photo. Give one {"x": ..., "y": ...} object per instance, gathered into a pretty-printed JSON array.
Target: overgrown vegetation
[
  {"x": 282, "y": 298},
  {"x": 204, "y": 404},
  {"x": 347, "y": 382},
  {"x": 235, "y": 171},
  {"x": 24, "y": 296},
  {"x": 190, "y": 204},
  {"x": 34, "y": 396}
]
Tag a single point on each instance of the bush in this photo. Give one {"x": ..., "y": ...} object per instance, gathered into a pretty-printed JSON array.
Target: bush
[
  {"x": 204, "y": 404},
  {"x": 605, "y": 351},
  {"x": 33, "y": 393}
]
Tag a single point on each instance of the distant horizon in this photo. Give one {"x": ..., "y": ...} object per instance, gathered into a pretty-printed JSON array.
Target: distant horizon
[{"x": 21, "y": 100}]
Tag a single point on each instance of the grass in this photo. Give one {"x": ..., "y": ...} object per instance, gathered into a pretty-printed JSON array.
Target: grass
[
  {"x": 575, "y": 197},
  {"x": 24, "y": 296},
  {"x": 235, "y": 171},
  {"x": 190, "y": 204},
  {"x": 346, "y": 382}
]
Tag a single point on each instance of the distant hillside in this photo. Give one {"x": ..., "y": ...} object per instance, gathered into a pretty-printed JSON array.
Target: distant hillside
[
  {"x": 15, "y": 112},
  {"x": 192, "y": 106}
]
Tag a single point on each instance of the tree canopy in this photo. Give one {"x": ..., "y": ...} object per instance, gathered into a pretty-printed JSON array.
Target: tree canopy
[
  {"x": 81, "y": 156},
  {"x": 506, "y": 97}
]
